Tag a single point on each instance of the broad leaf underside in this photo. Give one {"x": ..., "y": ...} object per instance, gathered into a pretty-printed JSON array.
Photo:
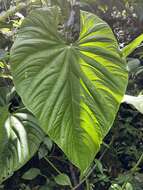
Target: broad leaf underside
[
  {"x": 20, "y": 142},
  {"x": 20, "y": 137},
  {"x": 73, "y": 89}
]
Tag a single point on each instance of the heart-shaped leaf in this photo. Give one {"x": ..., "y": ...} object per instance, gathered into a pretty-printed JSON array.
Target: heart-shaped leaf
[{"x": 73, "y": 89}]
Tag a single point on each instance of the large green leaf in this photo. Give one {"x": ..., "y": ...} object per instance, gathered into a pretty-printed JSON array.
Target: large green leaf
[
  {"x": 20, "y": 137},
  {"x": 20, "y": 140},
  {"x": 73, "y": 89}
]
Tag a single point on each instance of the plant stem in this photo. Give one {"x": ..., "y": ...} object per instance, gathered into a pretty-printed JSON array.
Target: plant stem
[
  {"x": 74, "y": 179},
  {"x": 134, "y": 169},
  {"x": 72, "y": 26},
  {"x": 93, "y": 168},
  {"x": 124, "y": 185},
  {"x": 87, "y": 176},
  {"x": 54, "y": 167}
]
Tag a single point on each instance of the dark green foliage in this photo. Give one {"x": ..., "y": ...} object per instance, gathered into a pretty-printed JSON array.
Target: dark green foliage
[{"x": 118, "y": 165}]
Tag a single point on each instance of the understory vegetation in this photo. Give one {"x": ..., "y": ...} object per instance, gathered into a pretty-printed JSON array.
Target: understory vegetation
[{"x": 71, "y": 103}]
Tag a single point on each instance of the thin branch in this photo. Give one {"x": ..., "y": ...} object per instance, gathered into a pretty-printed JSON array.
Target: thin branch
[
  {"x": 93, "y": 168},
  {"x": 51, "y": 164},
  {"x": 74, "y": 179},
  {"x": 134, "y": 169}
]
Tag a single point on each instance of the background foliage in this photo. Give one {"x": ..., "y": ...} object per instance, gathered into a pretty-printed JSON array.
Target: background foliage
[{"x": 119, "y": 165}]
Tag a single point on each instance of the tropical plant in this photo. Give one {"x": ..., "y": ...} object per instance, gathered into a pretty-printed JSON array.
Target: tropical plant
[
  {"x": 70, "y": 85},
  {"x": 71, "y": 81}
]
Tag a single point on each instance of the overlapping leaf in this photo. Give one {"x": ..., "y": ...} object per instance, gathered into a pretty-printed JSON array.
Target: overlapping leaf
[
  {"x": 20, "y": 137},
  {"x": 73, "y": 89},
  {"x": 127, "y": 50}
]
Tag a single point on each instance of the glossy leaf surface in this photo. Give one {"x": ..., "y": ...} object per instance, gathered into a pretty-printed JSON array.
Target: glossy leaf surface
[
  {"x": 127, "y": 50},
  {"x": 73, "y": 89},
  {"x": 20, "y": 136},
  {"x": 21, "y": 139}
]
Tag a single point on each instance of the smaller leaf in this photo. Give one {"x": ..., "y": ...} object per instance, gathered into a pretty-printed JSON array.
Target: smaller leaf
[
  {"x": 2, "y": 65},
  {"x": 31, "y": 174},
  {"x": 115, "y": 187},
  {"x": 42, "y": 152},
  {"x": 62, "y": 179},
  {"x": 27, "y": 188},
  {"x": 129, "y": 186},
  {"x": 139, "y": 71},
  {"x": 133, "y": 64},
  {"x": 99, "y": 166},
  {"x": 137, "y": 102},
  {"x": 48, "y": 143},
  {"x": 127, "y": 50},
  {"x": 45, "y": 187},
  {"x": 45, "y": 147}
]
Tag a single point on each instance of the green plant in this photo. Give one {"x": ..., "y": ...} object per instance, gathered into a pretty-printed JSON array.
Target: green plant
[
  {"x": 74, "y": 88},
  {"x": 67, "y": 84},
  {"x": 20, "y": 136}
]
